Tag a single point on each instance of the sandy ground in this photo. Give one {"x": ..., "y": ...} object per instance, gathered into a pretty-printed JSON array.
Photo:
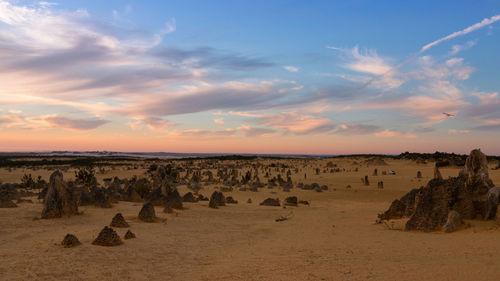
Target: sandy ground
[{"x": 336, "y": 238}]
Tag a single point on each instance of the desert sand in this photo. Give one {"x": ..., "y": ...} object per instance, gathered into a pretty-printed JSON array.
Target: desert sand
[{"x": 335, "y": 238}]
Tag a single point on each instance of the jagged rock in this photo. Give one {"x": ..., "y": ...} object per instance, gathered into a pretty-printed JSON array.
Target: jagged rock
[
  {"x": 476, "y": 169},
  {"x": 453, "y": 223},
  {"x": 230, "y": 200},
  {"x": 271, "y": 202},
  {"x": 147, "y": 213},
  {"x": 217, "y": 199},
  {"x": 119, "y": 221},
  {"x": 419, "y": 175},
  {"x": 202, "y": 198},
  {"x": 291, "y": 201},
  {"x": 189, "y": 197},
  {"x": 492, "y": 198},
  {"x": 60, "y": 199},
  {"x": 375, "y": 172},
  {"x": 70, "y": 241},
  {"x": 107, "y": 237},
  {"x": 249, "y": 201},
  {"x": 129, "y": 235},
  {"x": 428, "y": 207}
]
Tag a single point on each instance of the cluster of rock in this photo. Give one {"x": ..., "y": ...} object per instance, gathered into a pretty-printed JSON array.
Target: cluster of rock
[{"x": 442, "y": 204}]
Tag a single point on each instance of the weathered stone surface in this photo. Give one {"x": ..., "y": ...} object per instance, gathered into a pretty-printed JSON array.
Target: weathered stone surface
[
  {"x": 492, "y": 199},
  {"x": 60, "y": 199},
  {"x": 119, "y": 221},
  {"x": 476, "y": 169},
  {"x": 107, "y": 237},
  {"x": 428, "y": 207},
  {"x": 70, "y": 241},
  {"x": 453, "y": 222},
  {"x": 129, "y": 235},
  {"x": 147, "y": 213}
]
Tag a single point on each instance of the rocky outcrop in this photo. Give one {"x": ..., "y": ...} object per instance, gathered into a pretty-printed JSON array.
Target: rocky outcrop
[
  {"x": 428, "y": 207},
  {"x": 60, "y": 200}
]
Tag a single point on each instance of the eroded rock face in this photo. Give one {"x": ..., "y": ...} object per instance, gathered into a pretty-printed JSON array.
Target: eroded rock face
[
  {"x": 428, "y": 207},
  {"x": 453, "y": 222},
  {"x": 492, "y": 199},
  {"x": 60, "y": 199},
  {"x": 476, "y": 169}
]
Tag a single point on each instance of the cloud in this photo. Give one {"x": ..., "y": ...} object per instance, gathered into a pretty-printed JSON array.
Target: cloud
[
  {"x": 369, "y": 62},
  {"x": 203, "y": 57},
  {"x": 353, "y": 129},
  {"x": 291, "y": 122},
  {"x": 209, "y": 133},
  {"x": 474, "y": 27},
  {"x": 455, "y": 49},
  {"x": 75, "y": 124},
  {"x": 255, "y": 132},
  {"x": 291, "y": 68},
  {"x": 391, "y": 134},
  {"x": 219, "y": 121}
]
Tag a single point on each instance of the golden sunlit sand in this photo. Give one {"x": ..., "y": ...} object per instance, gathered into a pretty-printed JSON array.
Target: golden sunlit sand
[{"x": 335, "y": 238}]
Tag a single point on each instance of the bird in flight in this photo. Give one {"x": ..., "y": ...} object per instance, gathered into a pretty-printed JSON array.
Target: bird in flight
[{"x": 448, "y": 114}]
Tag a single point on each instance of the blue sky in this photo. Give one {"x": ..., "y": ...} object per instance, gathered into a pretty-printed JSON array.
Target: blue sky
[{"x": 250, "y": 76}]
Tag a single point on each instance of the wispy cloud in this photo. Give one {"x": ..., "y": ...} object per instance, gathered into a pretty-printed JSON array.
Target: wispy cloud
[{"x": 291, "y": 68}]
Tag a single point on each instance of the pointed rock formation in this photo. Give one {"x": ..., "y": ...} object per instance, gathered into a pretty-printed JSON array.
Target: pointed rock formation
[
  {"x": 129, "y": 235},
  {"x": 60, "y": 199},
  {"x": 70, "y": 241},
  {"x": 119, "y": 221},
  {"x": 107, "y": 237},
  {"x": 147, "y": 213}
]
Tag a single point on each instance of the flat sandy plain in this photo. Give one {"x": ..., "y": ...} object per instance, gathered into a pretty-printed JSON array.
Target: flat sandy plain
[{"x": 336, "y": 238}]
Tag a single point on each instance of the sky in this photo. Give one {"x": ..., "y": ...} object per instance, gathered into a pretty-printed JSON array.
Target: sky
[{"x": 294, "y": 77}]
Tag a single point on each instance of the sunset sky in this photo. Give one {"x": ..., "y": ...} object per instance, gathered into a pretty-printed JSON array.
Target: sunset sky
[{"x": 309, "y": 77}]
